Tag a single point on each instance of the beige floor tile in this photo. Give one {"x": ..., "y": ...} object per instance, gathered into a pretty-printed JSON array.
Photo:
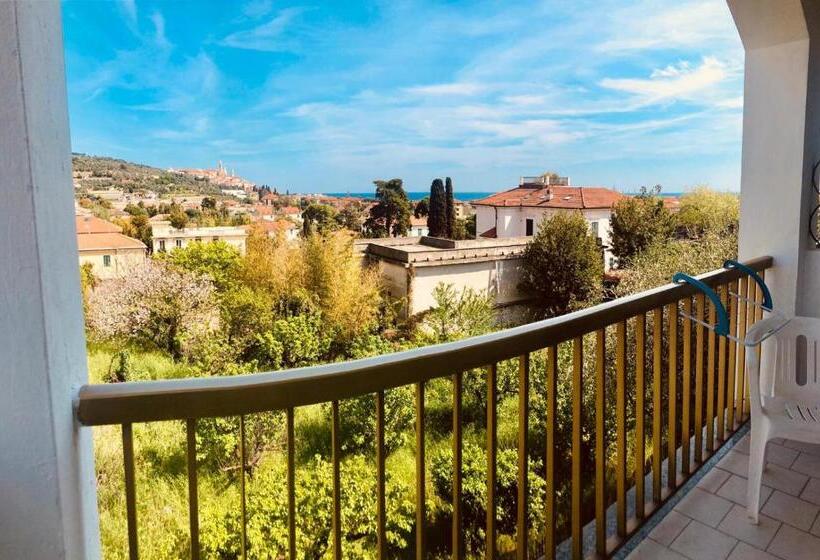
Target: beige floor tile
[
  {"x": 745, "y": 552},
  {"x": 669, "y": 528},
  {"x": 807, "y": 463},
  {"x": 700, "y": 542},
  {"x": 737, "y": 524},
  {"x": 704, "y": 507},
  {"x": 785, "y": 480},
  {"x": 713, "y": 480},
  {"x": 735, "y": 489},
  {"x": 792, "y": 544},
  {"x": 811, "y": 493},
  {"x": 811, "y": 448},
  {"x": 791, "y": 510},
  {"x": 650, "y": 550},
  {"x": 736, "y": 463}
]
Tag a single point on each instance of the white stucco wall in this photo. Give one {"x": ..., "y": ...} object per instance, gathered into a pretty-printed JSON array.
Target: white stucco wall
[
  {"x": 48, "y": 506},
  {"x": 499, "y": 278},
  {"x": 123, "y": 261},
  {"x": 773, "y": 202}
]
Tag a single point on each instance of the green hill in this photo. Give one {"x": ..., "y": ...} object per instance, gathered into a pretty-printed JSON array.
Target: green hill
[{"x": 101, "y": 173}]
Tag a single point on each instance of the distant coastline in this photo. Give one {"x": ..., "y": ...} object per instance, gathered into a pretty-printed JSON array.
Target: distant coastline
[{"x": 464, "y": 196}]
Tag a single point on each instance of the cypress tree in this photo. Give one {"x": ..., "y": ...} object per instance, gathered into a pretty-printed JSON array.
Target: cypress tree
[
  {"x": 437, "y": 218},
  {"x": 450, "y": 209}
]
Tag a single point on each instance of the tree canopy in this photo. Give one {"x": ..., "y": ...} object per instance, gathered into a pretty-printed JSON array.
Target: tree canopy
[
  {"x": 637, "y": 222},
  {"x": 391, "y": 213},
  {"x": 437, "y": 216},
  {"x": 563, "y": 266}
]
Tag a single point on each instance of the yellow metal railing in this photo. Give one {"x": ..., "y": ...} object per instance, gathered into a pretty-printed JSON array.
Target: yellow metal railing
[{"x": 712, "y": 405}]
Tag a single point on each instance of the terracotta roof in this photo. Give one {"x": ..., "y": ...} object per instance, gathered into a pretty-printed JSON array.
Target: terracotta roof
[
  {"x": 92, "y": 224},
  {"x": 490, "y": 233},
  {"x": 561, "y": 197},
  {"x": 416, "y": 222},
  {"x": 671, "y": 203},
  {"x": 103, "y": 241},
  {"x": 278, "y": 225},
  {"x": 291, "y": 210}
]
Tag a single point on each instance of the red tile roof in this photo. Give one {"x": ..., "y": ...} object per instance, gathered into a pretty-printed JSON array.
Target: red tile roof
[
  {"x": 291, "y": 210},
  {"x": 106, "y": 241},
  {"x": 561, "y": 197},
  {"x": 92, "y": 224}
]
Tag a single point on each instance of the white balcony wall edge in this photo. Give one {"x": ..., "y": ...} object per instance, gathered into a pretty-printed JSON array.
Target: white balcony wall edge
[
  {"x": 780, "y": 145},
  {"x": 47, "y": 488}
]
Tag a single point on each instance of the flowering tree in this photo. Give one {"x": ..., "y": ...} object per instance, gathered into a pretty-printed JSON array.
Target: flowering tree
[{"x": 158, "y": 304}]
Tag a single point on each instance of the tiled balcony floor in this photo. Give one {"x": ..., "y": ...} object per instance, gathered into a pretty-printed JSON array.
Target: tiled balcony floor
[{"x": 710, "y": 523}]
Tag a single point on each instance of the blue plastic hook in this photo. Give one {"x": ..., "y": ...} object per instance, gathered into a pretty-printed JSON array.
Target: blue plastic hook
[
  {"x": 767, "y": 296},
  {"x": 722, "y": 327}
]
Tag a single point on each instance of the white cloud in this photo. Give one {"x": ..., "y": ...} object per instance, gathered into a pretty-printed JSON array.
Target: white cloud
[
  {"x": 672, "y": 82},
  {"x": 647, "y": 25},
  {"x": 129, "y": 9},
  {"x": 159, "y": 30},
  {"x": 267, "y": 36},
  {"x": 465, "y": 89},
  {"x": 257, "y": 8}
]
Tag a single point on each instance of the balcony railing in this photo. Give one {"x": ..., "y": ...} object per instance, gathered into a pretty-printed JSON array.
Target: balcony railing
[{"x": 696, "y": 382}]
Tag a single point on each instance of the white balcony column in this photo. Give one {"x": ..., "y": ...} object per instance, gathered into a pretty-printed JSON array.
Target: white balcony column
[
  {"x": 47, "y": 489},
  {"x": 781, "y": 143}
]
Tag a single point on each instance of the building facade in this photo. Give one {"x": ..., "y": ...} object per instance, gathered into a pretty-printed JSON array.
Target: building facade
[
  {"x": 167, "y": 238},
  {"x": 517, "y": 212},
  {"x": 110, "y": 253},
  {"x": 412, "y": 267}
]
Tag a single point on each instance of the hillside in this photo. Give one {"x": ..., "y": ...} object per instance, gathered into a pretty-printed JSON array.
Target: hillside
[{"x": 100, "y": 173}]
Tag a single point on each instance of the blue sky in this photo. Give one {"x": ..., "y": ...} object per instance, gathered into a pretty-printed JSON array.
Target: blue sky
[{"x": 323, "y": 97}]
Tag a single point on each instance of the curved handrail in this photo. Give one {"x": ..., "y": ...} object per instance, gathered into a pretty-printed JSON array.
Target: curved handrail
[
  {"x": 245, "y": 394},
  {"x": 767, "y": 296},
  {"x": 722, "y": 326}
]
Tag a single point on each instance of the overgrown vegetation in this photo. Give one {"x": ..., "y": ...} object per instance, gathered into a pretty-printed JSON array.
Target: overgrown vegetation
[{"x": 208, "y": 310}]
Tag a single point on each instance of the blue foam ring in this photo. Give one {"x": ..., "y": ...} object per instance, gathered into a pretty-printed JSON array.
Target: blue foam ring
[
  {"x": 722, "y": 326},
  {"x": 767, "y": 296}
]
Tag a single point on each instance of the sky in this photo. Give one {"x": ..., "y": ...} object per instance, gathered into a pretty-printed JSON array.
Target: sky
[{"x": 328, "y": 96}]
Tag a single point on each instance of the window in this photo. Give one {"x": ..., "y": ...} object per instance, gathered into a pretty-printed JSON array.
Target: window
[
  {"x": 179, "y": 243},
  {"x": 530, "y": 226},
  {"x": 216, "y": 239},
  {"x": 594, "y": 227},
  {"x": 199, "y": 240},
  {"x": 161, "y": 244},
  {"x": 106, "y": 260}
]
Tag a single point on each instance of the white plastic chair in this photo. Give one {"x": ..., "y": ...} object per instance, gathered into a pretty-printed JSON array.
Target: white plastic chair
[{"x": 784, "y": 392}]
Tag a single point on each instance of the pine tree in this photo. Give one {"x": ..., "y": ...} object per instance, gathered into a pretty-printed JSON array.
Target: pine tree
[
  {"x": 450, "y": 208},
  {"x": 437, "y": 218}
]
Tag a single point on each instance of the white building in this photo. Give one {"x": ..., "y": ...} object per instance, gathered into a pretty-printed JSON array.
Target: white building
[
  {"x": 166, "y": 237},
  {"x": 412, "y": 267},
  {"x": 110, "y": 253},
  {"x": 517, "y": 212}
]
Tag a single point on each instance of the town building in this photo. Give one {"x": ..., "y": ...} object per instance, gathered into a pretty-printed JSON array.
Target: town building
[
  {"x": 167, "y": 238},
  {"x": 110, "y": 253},
  {"x": 412, "y": 267},
  {"x": 287, "y": 229},
  {"x": 418, "y": 226},
  {"x": 517, "y": 212}
]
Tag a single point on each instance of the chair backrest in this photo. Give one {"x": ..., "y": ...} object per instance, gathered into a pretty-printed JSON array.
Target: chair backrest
[{"x": 795, "y": 370}]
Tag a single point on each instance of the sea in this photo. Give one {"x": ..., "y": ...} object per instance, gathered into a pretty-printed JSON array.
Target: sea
[{"x": 465, "y": 196}]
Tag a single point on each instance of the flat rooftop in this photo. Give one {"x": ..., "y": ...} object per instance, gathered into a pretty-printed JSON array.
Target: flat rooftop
[{"x": 432, "y": 250}]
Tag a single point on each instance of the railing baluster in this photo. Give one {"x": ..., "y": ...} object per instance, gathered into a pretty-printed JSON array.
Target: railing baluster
[
  {"x": 244, "y": 509},
  {"x": 458, "y": 541},
  {"x": 492, "y": 433},
  {"x": 421, "y": 487},
  {"x": 577, "y": 419},
  {"x": 336, "y": 451},
  {"x": 523, "y": 455},
  {"x": 710, "y": 385},
  {"x": 731, "y": 369},
  {"x": 549, "y": 505},
  {"x": 672, "y": 382},
  {"x": 721, "y": 375},
  {"x": 381, "y": 513},
  {"x": 657, "y": 417},
  {"x": 740, "y": 388},
  {"x": 193, "y": 501},
  {"x": 620, "y": 426},
  {"x": 130, "y": 490},
  {"x": 291, "y": 486},
  {"x": 685, "y": 438},
  {"x": 699, "y": 308},
  {"x": 600, "y": 442},
  {"x": 640, "y": 396}
]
